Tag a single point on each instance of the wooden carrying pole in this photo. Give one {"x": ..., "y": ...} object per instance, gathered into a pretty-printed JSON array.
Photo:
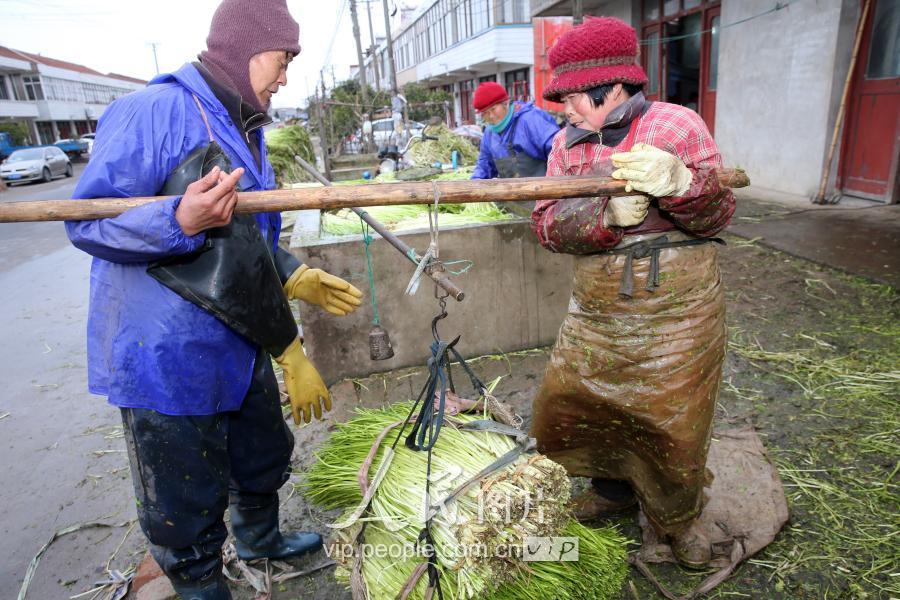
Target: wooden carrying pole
[{"x": 349, "y": 196}]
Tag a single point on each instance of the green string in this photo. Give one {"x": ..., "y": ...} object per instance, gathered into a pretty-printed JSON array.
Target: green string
[
  {"x": 367, "y": 239},
  {"x": 469, "y": 264}
]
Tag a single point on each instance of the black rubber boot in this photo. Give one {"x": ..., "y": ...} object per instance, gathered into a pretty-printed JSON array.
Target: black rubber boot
[
  {"x": 256, "y": 534},
  {"x": 213, "y": 588}
]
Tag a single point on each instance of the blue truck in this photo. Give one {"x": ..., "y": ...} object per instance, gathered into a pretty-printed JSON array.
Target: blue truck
[{"x": 71, "y": 147}]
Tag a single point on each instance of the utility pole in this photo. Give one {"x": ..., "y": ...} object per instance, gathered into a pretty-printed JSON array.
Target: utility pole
[
  {"x": 373, "y": 48},
  {"x": 155, "y": 61},
  {"x": 323, "y": 141},
  {"x": 390, "y": 47},
  {"x": 577, "y": 11},
  {"x": 363, "y": 85}
]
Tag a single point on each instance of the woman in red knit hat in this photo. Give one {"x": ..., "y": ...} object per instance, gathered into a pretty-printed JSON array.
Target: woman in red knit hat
[
  {"x": 629, "y": 395},
  {"x": 518, "y": 136}
]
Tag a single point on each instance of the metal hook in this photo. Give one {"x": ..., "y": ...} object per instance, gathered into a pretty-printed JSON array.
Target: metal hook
[{"x": 434, "y": 322}]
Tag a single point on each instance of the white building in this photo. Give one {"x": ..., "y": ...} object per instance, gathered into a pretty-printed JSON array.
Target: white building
[
  {"x": 457, "y": 44},
  {"x": 54, "y": 98}
]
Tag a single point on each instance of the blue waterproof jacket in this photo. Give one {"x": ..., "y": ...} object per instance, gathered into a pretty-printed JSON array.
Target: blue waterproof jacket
[
  {"x": 148, "y": 347},
  {"x": 533, "y": 130}
]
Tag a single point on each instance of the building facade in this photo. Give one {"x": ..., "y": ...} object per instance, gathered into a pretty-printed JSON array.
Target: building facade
[
  {"x": 457, "y": 44},
  {"x": 768, "y": 78},
  {"x": 56, "y": 99}
]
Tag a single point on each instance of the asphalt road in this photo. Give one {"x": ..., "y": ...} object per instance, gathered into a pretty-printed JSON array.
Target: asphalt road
[{"x": 63, "y": 455}]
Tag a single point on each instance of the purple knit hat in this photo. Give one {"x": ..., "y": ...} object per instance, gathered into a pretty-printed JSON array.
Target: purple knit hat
[{"x": 239, "y": 30}]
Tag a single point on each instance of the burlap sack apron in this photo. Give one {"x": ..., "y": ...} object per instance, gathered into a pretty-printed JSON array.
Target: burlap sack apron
[{"x": 631, "y": 386}]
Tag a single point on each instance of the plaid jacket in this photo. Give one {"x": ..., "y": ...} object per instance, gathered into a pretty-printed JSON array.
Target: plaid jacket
[{"x": 576, "y": 227}]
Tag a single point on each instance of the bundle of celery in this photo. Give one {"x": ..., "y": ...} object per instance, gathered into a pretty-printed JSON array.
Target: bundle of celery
[
  {"x": 479, "y": 536},
  {"x": 282, "y": 145},
  {"x": 428, "y": 152},
  {"x": 413, "y": 216}
]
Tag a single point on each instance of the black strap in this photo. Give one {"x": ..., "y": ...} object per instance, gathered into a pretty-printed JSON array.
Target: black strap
[
  {"x": 651, "y": 249},
  {"x": 427, "y": 428}
]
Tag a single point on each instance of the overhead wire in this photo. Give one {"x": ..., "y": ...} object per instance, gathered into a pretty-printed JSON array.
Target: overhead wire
[{"x": 337, "y": 27}]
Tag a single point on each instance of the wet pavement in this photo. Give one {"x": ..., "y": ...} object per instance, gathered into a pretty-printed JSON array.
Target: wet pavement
[
  {"x": 63, "y": 460},
  {"x": 856, "y": 236}
]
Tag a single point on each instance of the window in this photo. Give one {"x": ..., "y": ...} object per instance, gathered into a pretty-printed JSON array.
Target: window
[
  {"x": 63, "y": 89},
  {"x": 4, "y": 91},
  {"x": 512, "y": 11},
  {"x": 652, "y": 53},
  {"x": 714, "y": 54},
  {"x": 884, "y": 49},
  {"x": 517, "y": 85},
  {"x": 33, "y": 90}
]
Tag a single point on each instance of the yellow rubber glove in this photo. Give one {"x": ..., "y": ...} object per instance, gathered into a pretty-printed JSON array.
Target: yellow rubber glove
[
  {"x": 315, "y": 286},
  {"x": 304, "y": 385},
  {"x": 652, "y": 171},
  {"x": 625, "y": 211}
]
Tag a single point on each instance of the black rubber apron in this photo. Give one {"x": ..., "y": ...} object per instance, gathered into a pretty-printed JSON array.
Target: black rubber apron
[{"x": 233, "y": 275}]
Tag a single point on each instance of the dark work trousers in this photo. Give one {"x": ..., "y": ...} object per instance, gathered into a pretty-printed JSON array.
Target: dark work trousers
[{"x": 185, "y": 468}]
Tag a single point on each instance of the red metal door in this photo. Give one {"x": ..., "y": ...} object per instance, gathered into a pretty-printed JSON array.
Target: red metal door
[
  {"x": 870, "y": 148},
  {"x": 546, "y": 31},
  {"x": 710, "y": 66}
]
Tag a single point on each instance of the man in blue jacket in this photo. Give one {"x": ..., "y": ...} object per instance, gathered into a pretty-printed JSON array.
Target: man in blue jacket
[
  {"x": 200, "y": 403},
  {"x": 518, "y": 136}
]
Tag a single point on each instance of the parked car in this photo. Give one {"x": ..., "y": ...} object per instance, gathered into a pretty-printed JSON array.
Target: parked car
[
  {"x": 39, "y": 163},
  {"x": 383, "y": 130}
]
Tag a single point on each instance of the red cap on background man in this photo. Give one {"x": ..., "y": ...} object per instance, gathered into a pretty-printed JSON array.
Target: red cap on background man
[{"x": 487, "y": 95}]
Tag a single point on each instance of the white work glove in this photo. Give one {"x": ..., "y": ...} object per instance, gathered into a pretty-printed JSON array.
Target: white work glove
[
  {"x": 652, "y": 171},
  {"x": 625, "y": 211}
]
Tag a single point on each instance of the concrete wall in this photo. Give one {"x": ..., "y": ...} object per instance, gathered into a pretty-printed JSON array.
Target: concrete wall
[
  {"x": 516, "y": 297},
  {"x": 780, "y": 79}
]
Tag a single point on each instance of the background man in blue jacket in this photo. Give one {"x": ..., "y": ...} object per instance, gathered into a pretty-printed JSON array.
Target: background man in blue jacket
[
  {"x": 200, "y": 403},
  {"x": 518, "y": 136}
]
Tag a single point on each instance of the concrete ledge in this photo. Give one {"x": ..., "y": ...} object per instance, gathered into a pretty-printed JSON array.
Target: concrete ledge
[{"x": 516, "y": 296}]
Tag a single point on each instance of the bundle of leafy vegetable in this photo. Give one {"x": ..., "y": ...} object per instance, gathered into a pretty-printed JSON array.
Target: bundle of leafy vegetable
[
  {"x": 428, "y": 152},
  {"x": 479, "y": 536},
  {"x": 283, "y": 144}
]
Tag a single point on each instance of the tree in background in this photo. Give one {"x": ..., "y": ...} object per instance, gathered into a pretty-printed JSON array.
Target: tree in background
[
  {"x": 18, "y": 132},
  {"x": 344, "y": 109},
  {"x": 424, "y": 102}
]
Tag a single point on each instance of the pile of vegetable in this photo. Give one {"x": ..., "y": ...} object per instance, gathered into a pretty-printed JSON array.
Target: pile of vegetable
[
  {"x": 412, "y": 216},
  {"x": 283, "y": 144},
  {"x": 428, "y": 152},
  {"x": 479, "y": 535}
]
